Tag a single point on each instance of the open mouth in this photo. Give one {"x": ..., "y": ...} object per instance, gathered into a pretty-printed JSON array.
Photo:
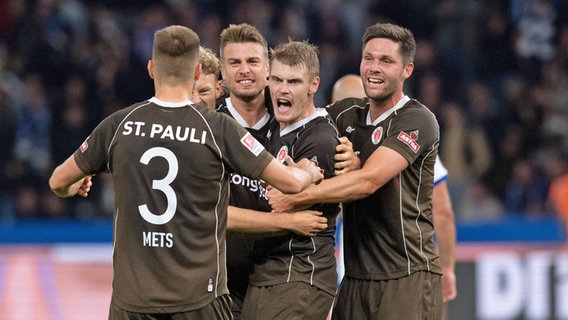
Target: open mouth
[
  {"x": 375, "y": 80},
  {"x": 283, "y": 104}
]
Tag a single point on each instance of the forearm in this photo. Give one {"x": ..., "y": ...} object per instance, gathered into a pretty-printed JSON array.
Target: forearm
[
  {"x": 348, "y": 187},
  {"x": 293, "y": 178},
  {"x": 252, "y": 221},
  {"x": 67, "y": 191},
  {"x": 67, "y": 180},
  {"x": 446, "y": 240}
]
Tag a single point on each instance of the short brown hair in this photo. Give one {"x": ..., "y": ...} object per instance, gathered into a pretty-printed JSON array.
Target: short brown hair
[
  {"x": 395, "y": 33},
  {"x": 209, "y": 62},
  {"x": 240, "y": 33},
  {"x": 175, "y": 53},
  {"x": 298, "y": 53}
]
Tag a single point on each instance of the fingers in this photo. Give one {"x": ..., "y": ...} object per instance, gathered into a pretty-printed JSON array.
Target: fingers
[{"x": 85, "y": 187}]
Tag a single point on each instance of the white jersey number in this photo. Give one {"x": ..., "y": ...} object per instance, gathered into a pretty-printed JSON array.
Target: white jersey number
[{"x": 162, "y": 185}]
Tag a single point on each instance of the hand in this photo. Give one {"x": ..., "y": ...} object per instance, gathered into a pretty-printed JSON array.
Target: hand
[
  {"x": 345, "y": 158},
  {"x": 305, "y": 164},
  {"x": 278, "y": 200},
  {"x": 307, "y": 223},
  {"x": 84, "y": 186},
  {"x": 449, "y": 291}
]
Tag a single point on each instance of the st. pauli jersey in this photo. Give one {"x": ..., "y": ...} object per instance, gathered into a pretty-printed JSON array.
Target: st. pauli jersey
[
  {"x": 170, "y": 164},
  {"x": 389, "y": 234},
  {"x": 292, "y": 257}
]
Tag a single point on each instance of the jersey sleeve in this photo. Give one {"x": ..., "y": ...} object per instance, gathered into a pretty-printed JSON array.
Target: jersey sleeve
[
  {"x": 241, "y": 151},
  {"x": 413, "y": 132},
  {"x": 440, "y": 172},
  {"x": 92, "y": 156},
  {"x": 337, "y": 108}
]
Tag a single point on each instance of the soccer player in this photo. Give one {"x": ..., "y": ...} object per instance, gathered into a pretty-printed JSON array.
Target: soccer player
[
  {"x": 351, "y": 85},
  {"x": 392, "y": 269},
  {"x": 295, "y": 276},
  {"x": 170, "y": 160},
  {"x": 208, "y": 86},
  {"x": 244, "y": 66}
]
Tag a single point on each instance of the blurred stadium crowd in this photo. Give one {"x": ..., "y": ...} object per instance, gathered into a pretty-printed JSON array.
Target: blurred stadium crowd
[{"x": 494, "y": 72}]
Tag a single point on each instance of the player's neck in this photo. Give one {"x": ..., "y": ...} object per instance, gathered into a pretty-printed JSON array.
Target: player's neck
[
  {"x": 380, "y": 106},
  {"x": 251, "y": 111},
  {"x": 173, "y": 93}
]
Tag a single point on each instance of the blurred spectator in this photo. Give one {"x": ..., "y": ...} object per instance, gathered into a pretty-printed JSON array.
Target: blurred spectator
[
  {"x": 480, "y": 205},
  {"x": 500, "y": 68},
  {"x": 558, "y": 191},
  {"x": 509, "y": 149},
  {"x": 527, "y": 190},
  {"x": 463, "y": 149},
  {"x": 535, "y": 29},
  {"x": 33, "y": 130}
]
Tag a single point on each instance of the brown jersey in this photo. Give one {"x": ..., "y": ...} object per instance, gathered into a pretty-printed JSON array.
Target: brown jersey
[
  {"x": 248, "y": 193},
  {"x": 292, "y": 257},
  {"x": 389, "y": 234},
  {"x": 170, "y": 164}
]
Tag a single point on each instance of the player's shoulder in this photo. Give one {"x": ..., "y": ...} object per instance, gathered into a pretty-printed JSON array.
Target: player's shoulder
[
  {"x": 321, "y": 128},
  {"x": 416, "y": 106},
  {"x": 348, "y": 103}
]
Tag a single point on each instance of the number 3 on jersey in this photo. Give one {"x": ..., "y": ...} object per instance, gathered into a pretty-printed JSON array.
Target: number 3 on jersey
[{"x": 162, "y": 185}]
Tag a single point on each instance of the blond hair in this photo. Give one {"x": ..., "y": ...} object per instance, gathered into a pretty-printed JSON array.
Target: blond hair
[
  {"x": 297, "y": 53},
  {"x": 241, "y": 33}
]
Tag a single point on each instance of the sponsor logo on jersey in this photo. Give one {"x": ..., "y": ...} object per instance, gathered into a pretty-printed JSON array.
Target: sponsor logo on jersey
[
  {"x": 84, "y": 146},
  {"x": 410, "y": 140},
  {"x": 377, "y": 135},
  {"x": 252, "y": 144},
  {"x": 282, "y": 153},
  {"x": 349, "y": 129}
]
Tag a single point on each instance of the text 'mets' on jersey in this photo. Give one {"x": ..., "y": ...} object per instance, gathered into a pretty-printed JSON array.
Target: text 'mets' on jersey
[
  {"x": 170, "y": 164},
  {"x": 292, "y": 257},
  {"x": 389, "y": 234}
]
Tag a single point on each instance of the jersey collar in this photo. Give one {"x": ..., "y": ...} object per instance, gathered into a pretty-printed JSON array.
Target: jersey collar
[
  {"x": 383, "y": 116},
  {"x": 319, "y": 113},
  {"x": 257, "y": 126},
  {"x": 170, "y": 104}
]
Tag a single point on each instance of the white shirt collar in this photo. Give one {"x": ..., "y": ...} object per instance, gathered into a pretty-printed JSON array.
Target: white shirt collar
[
  {"x": 383, "y": 116},
  {"x": 170, "y": 104},
  {"x": 257, "y": 126},
  {"x": 319, "y": 113}
]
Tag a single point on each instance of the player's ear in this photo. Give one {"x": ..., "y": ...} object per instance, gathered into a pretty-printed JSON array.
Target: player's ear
[
  {"x": 150, "y": 69},
  {"x": 197, "y": 73},
  {"x": 314, "y": 86}
]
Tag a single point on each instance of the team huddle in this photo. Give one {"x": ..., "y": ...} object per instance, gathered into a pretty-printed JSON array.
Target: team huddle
[{"x": 227, "y": 192}]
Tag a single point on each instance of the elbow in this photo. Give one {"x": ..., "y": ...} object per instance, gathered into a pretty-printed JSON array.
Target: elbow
[
  {"x": 364, "y": 189},
  {"x": 57, "y": 187},
  {"x": 368, "y": 188},
  {"x": 293, "y": 189},
  {"x": 53, "y": 185}
]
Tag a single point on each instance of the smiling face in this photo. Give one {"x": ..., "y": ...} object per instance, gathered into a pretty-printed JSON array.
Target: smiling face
[
  {"x": 292, "y": 92},
  {"x": 245, "y": 69},
  {"x": 383, "y": 70},
  {"x": 206, "y": 90}
]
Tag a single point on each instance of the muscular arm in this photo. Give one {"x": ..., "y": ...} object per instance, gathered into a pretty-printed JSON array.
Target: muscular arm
[
  {"x": 307, "y": 223},
  {"x": 293, "y": 178},
  {"x": 68, "y": 180},
  {"x": 444, "y": 225},
  {"x": 383, "y": 165}
]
